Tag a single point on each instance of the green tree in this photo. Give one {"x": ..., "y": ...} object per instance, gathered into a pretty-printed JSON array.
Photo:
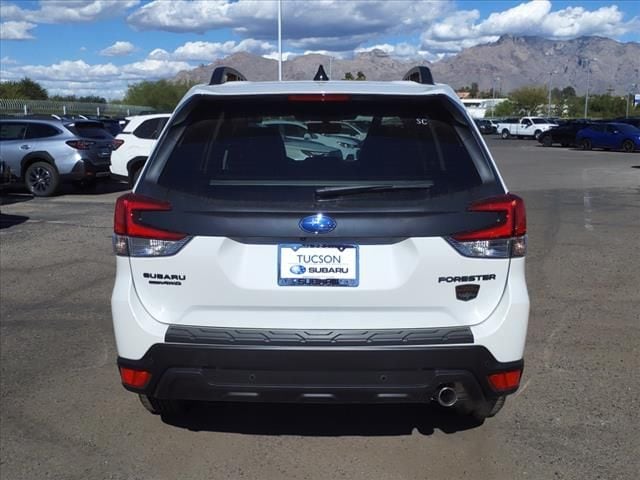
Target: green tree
[
  {"x": 528, "y": 99},
  {"x": 505, "y": 109},
  {"x": 161, "y": 95},
  {"x": 360, "y": 76},
  {"x": 348, "y": 76},
  {"x": 568, "y": 92},
  {"x": 473, "y": 91},
  {"x": 26, "y": 89}
]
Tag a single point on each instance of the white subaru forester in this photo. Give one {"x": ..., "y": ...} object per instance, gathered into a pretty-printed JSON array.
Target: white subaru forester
[{"x": 395, "y": 276}]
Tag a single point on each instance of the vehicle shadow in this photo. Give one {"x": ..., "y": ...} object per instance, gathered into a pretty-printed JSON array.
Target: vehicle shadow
[
  {"x": 11, "y": 197},
  {"x": 100, "y": 187},
  {"x": 320, "y": 420},
  {"x": 7, "y": 221}
]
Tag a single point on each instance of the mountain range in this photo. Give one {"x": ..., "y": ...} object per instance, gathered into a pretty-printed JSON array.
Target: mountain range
[{"x": 508, "y": 63}]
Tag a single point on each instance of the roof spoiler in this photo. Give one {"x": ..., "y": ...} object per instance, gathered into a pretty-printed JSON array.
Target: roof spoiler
[
  {"x": 226, "y": 74},
  {"x": 419, "y": 75}
]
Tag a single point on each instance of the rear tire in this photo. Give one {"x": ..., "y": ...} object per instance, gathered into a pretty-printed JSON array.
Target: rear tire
[
  {"x": 42, "y": 179},
  {"x": 505, "y": 134},
  {"x": 546, "y": 141},
  {"x": 585, "y": 144},
  {"x": 628, "y": 146},
  {"x": 168, "y": 408}
]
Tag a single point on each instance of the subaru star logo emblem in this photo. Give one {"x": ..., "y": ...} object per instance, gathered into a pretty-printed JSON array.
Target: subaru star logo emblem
[
  {"x": 318, "y": 223},
  {"x": 298, "y": 269}
]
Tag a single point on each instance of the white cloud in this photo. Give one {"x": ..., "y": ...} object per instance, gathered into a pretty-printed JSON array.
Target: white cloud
[
  {"x": 159, "y": 54},
  {"x": 327, "y": 24},
  {"x": 118, "y": 49},
  {"x": 464, "y": 29},
  {"x": 209, "y": 51},
  {"x": 8, "y": 61},
  {"x": 276, "y": 55},
  {"x": 16, "y": 30},
  {"x": 151, "y": 69},
  {"x": 77, "y": 77},
  {"x": 68, "y": 11}
]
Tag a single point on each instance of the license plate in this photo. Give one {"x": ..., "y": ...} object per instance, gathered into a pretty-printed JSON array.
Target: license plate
[{"x": 318, "y": 265}]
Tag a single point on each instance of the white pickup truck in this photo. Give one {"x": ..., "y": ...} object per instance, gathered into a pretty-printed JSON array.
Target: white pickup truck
[{"x": 524, "y": 127}]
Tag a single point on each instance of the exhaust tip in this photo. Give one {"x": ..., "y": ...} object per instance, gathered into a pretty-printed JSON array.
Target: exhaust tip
[{"x": 447, "y": 397}]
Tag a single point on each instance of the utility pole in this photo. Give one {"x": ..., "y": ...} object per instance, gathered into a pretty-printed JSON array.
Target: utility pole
[
  {"x": 586, "y": 97},
  {"x": 632, "y": 89},
  {"x": 279, "y": 40},
  {"x": 549, "y": 105},
  {"x": 493, "y": 94}
]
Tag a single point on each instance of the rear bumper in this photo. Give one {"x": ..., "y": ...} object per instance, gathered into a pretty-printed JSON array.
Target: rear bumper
[
  {"x": 84, "y": 169},
  {"x": 381, "y": 374}
]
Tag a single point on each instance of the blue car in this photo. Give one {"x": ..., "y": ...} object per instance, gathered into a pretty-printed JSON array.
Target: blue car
[{"x": 610, "y": 136}]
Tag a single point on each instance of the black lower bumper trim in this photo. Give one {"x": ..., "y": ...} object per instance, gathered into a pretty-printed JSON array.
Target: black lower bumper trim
[{"x": 383, "y": 374}]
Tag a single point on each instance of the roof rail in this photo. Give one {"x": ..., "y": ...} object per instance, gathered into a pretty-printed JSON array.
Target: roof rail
[
  {"x": 226, "y": 74},
  {"x": 321, "y": 75},
  {"x": 420, "y": 75}
]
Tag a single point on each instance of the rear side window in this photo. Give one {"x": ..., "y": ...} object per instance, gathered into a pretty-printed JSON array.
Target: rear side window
[
  {"x": 41, "y": 130},
  {"x": 12, "y": 130},
  {"x": 150, "y": 129},
  {"x": 93, "y": 130},
  {"x": 240, "y": 142}
]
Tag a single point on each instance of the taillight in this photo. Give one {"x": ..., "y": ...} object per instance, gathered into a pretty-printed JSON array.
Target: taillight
[
  {"x": 503, "y": 381},
  {"x": 117, "y": 143},
  {"x": 80, "y": 144},
  {"x": 506, "y": 238},
  {"x": 133, "y": 238},
  {"x": 134, "y": 378}
]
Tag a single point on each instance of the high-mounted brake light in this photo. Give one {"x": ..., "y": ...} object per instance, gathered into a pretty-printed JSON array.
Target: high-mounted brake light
[
  {"x": 134, "y": 378},
  {"x": 504, "y": 239},
  {"x": 134, "y": 238},
  {"x": 320, "y": 97}
]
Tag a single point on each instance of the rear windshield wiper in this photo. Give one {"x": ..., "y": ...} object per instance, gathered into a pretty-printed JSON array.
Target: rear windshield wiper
[{"x": 333, "y": 192}]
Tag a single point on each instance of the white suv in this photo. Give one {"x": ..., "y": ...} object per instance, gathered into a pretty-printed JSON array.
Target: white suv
[
  {"x": 134, "y": 144},
  {"x": 245, "y": 275}
]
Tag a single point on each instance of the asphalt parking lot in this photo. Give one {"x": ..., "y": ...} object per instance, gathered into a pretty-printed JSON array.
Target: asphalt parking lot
[{"x": 64, "y": 414}]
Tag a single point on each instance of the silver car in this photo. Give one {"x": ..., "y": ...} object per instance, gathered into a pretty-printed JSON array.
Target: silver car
[{"x": 42, "y": 153}]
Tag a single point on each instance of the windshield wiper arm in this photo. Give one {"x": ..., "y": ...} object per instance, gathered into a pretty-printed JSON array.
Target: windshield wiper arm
[{"x": 332, "y": 192}]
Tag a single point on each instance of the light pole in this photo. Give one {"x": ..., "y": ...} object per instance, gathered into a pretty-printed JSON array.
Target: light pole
[
  {"x": 586, "y": 97},
  {"x": 280, "y": 40},
  {"x": 493, "y": 101},
  {"x": 632, "y": 89},
  {"x": 549, "y": 105}
]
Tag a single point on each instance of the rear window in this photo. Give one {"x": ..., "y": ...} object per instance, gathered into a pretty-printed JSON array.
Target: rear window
[
  {"x": 244, "y": 143},
  {"x": 150, "y": 129},
  {"x": 93, "y": 130}
]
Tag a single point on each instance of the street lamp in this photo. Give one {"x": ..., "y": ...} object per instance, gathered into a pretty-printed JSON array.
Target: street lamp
[
  {"x": 586, "y": 97},
  {"x": 493, "y": 94},
  {"x": 549, "y": 106},
  {"x": 632, "y": 89}
]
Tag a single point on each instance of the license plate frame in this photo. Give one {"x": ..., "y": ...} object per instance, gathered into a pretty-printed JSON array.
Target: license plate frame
[{"x": 307, "y": 278}]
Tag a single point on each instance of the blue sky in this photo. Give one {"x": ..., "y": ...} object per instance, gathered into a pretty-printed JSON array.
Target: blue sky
[{"x": 101, "y": 46}]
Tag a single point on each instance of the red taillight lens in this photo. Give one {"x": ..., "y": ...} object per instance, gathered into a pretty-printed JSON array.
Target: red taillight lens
[
  {"x": 513, "y": 222},
  {"x": 134, "y": 378},
  {"x": 505, "y": 380},
  {"x": 126, "y": 218},
  {"x": 81, "y": 144},
  {"x": 117, "y": 143},
  {"x": 320, "y": 97}
]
